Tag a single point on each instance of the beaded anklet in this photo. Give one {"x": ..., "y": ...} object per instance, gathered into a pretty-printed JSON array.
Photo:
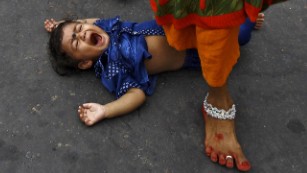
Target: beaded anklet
[{"x": 219, "y": 113}]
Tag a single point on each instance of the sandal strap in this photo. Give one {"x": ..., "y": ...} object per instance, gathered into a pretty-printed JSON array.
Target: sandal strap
[{"x": 219, "y": 113}]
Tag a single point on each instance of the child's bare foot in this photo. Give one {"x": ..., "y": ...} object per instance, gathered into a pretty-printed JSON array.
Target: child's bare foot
[
  {"x": 91, "y": 113},
  {"x": 50, "y": 25},
  {"x": 259, "y": 21}
]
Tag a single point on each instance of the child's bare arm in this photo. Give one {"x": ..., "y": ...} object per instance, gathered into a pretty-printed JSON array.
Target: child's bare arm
[
  {"x": 51, "y": 24},
  {"x": 90, "y": 113}
]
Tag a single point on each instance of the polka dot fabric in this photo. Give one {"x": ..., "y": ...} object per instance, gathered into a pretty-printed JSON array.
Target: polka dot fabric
[
  {"x": 126, "y": 86},
  {"x": 121, "y": 66}
]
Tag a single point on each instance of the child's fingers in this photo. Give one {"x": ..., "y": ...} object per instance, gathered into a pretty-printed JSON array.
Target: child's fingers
[
  {"x": 48, "y": 22},
  {"x": 53, "y": 21},
  {"x": 80, "y": 110},
  {"x": 83, "y": 117},
  {"x": 87, "y": 105},
  {"x": 87, "y": 121}
]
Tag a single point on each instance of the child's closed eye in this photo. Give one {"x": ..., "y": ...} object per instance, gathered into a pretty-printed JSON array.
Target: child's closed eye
[
  {"x": 77, "y": 43},
  {"x": 80, "y": 27}
]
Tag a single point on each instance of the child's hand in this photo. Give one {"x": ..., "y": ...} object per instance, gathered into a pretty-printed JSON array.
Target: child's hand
[
  {"x": 90, "y": 113},
  {"x": 50, "y": 25}
]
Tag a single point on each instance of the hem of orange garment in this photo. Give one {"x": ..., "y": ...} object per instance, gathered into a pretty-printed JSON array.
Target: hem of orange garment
[
  {"x": 186, "y": 38},
  {"x": 230, "y": 49}
]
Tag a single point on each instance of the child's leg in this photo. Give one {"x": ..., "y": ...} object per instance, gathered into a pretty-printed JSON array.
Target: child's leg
[
  {"x": 247, "y": 27},
  {"x": 192, "y": 59},
  {"x": 245, "y": 31}
]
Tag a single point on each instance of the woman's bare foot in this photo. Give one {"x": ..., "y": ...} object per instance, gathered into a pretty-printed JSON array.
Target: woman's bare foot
[
  {"x": 221, "y": 143},
  {"x": 91, "y": 113},
  {"x": 50, "y": 25},
  {"x": 259, "y": 21}
]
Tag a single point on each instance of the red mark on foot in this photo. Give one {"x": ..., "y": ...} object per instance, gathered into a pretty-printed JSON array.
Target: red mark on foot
[{"x": 219, "y": 136}]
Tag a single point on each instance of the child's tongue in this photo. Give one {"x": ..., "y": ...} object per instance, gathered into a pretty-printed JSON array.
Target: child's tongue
[{"x": 96, "y": 39}]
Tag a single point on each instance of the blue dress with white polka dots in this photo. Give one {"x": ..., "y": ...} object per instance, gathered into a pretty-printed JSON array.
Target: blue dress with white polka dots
[{"x": 121, "y": 66}]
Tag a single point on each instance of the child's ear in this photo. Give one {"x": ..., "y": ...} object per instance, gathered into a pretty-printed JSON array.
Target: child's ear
[{"x": 83, "y": 65}]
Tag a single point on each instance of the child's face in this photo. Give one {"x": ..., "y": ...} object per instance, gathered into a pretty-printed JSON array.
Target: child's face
[{"x": 84, "y": 41}]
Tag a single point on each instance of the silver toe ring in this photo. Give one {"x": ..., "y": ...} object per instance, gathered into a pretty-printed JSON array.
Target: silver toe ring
[
  {"x": 219, "y": 113},
  {"x": 228, "y": 157}
]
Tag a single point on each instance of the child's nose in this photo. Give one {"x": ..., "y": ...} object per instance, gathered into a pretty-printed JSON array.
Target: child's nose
[{"x": 81, "y": 35}]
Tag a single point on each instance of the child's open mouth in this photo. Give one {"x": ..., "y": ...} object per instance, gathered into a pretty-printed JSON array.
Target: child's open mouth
[{"x": 96, "y": 39}]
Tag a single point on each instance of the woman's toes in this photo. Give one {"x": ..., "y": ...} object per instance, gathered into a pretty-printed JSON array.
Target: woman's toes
[
  {"x": 244, "y": 166},
  {"x": 213, "y": 156},
  {"x": 229, "y": 161},
  {"x": 222, "y": 160},
  {"x": 208, "y": 151}
]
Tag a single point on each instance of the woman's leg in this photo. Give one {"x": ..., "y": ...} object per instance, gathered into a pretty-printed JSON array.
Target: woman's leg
[{"x": 218, "y": 52}]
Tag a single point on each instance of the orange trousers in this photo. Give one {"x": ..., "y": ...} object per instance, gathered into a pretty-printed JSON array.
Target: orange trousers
[{"x": 218, "y": 49}]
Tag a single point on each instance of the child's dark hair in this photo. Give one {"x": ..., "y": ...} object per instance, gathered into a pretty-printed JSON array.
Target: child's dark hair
[{"x": 61, "y": 62}]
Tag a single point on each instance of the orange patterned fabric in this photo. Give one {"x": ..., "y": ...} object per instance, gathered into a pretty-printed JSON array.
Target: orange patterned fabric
[
  {"x": 207, "y": 13},
  {"x": 218, "y": 49},
  {"x": 204, "y": 13}
]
